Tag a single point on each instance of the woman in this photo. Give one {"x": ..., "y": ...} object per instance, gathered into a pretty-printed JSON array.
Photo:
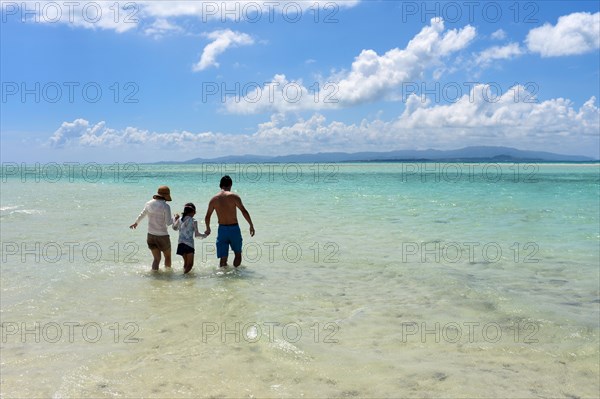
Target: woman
[{"x": 159, "y": 217}]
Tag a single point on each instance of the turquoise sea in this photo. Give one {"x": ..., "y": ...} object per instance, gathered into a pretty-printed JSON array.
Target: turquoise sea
[{"x": 363, "y": 280}]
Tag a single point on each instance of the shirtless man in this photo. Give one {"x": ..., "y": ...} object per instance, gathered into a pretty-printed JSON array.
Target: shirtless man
[{"x": 226, "y": 204}]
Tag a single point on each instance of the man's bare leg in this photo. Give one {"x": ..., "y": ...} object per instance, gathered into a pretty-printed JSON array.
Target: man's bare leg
[
  {"x": 156, "y": 256},
  {"x": 223, "y": 262},
  {"x": 167, "y": 254},
  {"x": 238, "y": 259}
]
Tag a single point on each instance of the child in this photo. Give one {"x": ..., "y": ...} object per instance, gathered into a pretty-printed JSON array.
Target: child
[{"x": 188, "y": 227}]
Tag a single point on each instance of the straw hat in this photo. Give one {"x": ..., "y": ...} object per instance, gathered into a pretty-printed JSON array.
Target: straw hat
[{"x": 165, "y": 192}]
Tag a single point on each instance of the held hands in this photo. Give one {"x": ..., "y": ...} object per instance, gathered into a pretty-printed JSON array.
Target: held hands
[
  {"x": 207, "y": 232},
  {"x": 176, "y": 216}
]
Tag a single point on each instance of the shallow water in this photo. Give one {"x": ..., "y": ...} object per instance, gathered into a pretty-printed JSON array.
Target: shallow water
[{"x": 363, "y": 280}]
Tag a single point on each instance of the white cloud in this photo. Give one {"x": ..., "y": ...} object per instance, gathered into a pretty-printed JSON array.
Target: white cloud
[
  {"x": 221, "y": 41},
  {"x": 119, "y": 17},
  {"x": 510, "y": 50},
  {"x": 371, "y": 76},
  {"x": 573, "y": 34},
  {"x": 155, "y": 15},
  {"x": 70, "y": 131},
  {"x": 516, "y": 109},
  {"x": 499, "y": 35},
  {"x": 243, "y": 10},
  {"x": 240, "y": 11},
  {"x": 477, "y": 118},
  {"x": 161, "y": 27},
  {"x": 81, "y": 133}
]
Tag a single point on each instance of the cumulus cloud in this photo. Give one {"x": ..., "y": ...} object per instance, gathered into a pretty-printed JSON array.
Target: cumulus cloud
[
  {"x": 479, "y": 117},
  {"x": 514, "y": 118},
  {"x": 371, "y": 76},
  {"x": 508, "y": 51},
  {"x": 499, "y": 35},
  {"x": 517, "y": 109},
  {"x": 221, "y": 41},
  {"x": 81, "y": 133},
  {"x": 573, "y": 34},
  {"x": 73, "y": 131}
]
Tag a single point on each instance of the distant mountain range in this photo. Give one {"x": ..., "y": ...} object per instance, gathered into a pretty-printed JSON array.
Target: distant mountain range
[{"x": 467, "y": 154}]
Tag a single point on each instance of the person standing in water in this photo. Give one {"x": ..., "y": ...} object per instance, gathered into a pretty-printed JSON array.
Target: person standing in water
[
  {"x": 226, "y": 204},
  {"x": 188, "y": 229},
  {"x": 159, "y": 217}
]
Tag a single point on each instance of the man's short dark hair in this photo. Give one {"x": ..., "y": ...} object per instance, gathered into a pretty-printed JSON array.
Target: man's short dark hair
[{"x": 226, "y": 181}]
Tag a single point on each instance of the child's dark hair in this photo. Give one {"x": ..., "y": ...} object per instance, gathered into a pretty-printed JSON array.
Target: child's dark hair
[{"x": 188, "y": 209}]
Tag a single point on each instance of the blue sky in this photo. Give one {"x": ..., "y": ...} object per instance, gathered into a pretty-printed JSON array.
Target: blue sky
[{"x": 152, "y": 81}]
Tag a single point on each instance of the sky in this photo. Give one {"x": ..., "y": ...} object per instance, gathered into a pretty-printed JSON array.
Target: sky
[{"x": 145, "y": 81}]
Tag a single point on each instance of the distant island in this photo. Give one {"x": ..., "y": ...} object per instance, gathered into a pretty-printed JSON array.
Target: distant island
[{"x": 467, "y": 154}]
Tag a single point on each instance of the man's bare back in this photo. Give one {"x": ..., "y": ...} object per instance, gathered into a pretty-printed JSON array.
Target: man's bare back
[{"x": 226, "y": 204}]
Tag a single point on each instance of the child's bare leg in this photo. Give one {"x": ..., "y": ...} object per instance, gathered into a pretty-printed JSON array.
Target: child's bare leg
[
  {"x": 188, "y": 262},
  {"x": 238, "y": 259},
  {"x": 156, "y": 256},
  {"x": 167, "y": 254}
]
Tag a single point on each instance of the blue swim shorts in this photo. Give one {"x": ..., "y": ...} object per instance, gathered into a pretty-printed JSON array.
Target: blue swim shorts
[{"x": 228, "y": 235}]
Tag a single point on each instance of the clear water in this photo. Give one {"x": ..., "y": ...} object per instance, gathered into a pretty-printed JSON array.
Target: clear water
[{"x": 363, "y": 280}]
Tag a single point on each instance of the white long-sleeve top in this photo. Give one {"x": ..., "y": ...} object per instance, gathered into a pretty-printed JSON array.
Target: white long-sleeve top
[{"x": 159, "y": 217}]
